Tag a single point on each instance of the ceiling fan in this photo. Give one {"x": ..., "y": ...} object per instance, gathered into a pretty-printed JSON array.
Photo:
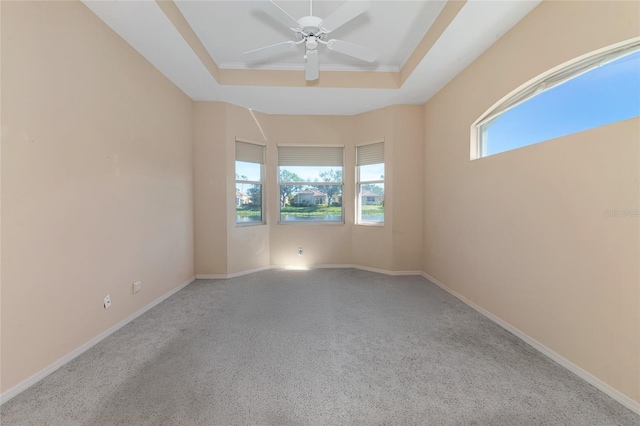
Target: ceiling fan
[{"x": 313, "y": 31}]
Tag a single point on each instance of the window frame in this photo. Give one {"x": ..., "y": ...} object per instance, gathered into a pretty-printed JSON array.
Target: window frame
[
  {"x": 546, "y": 81},
  {"x": 359, "y": 183},
  {"x": 310, "y": 183},
  {"x": 261, "y": 182}
]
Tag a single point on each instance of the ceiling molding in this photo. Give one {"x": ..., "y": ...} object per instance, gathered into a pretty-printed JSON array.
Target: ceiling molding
[
  {"x": 300, "y": 66},
  {"x": 442, "y": 22},
  {"x": 178, "y": 20},
  {"x": 295, "y": 78},
  {"x": 411, "y": 43}
]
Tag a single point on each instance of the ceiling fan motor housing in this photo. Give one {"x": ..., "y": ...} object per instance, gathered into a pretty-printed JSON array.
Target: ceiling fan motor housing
[
  {"x": 310, "y": 25},
  {"x": 310, "y": 32}
]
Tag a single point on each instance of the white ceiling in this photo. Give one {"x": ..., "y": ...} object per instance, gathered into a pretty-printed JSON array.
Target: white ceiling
[
  {"x": 229, "y": 28},
  {"x": 145, "y": 27}
]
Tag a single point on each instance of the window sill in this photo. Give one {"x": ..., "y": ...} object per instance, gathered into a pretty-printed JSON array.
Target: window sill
[
  {"x": 249, "y": 224},
  {"x": 309, "y": 222},
  {"x": 374, "y": 224}
]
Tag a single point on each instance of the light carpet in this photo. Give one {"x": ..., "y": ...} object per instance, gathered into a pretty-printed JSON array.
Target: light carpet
[{"x": 320, "y": 347}]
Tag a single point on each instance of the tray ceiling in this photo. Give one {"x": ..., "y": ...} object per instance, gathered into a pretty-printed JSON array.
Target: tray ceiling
[
  {"x": 229, "y": 28},
  {"x": 199, "y": 46}
]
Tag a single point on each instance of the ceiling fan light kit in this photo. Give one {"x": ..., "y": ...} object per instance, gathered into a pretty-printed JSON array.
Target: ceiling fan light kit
[{"x": 312, "y": 31}]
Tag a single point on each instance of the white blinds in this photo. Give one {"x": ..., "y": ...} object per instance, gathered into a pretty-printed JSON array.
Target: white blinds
[
  {"x": 372, "y": 153},
  {"x": 249, "y": 152},
  {"x": 310, "y": 156}
]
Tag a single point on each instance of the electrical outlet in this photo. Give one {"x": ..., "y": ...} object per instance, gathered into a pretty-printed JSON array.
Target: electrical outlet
[
  {"x": 300, "y": 251},
  {"x": 137, "y": 286},
  {"x": 107, "y": 302}
]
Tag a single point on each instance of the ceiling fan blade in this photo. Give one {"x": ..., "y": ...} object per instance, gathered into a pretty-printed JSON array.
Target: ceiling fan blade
[
  {"x": 274, "y": 49},
  {"x": 344, "y": 14},
  {"x": 351, "y": 49},
  {"x": 279, "y": 14},
  {"x": 312, "y": 66}
]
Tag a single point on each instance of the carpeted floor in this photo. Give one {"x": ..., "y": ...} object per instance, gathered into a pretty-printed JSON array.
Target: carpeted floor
[{"x": 320, "y": 347}]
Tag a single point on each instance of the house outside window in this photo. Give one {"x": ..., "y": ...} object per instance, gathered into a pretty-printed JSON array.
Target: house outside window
[
  {"x": 370, "y": 183},
  {"x": 249, "y": 183},
  {"x": 310, "y": 182}
]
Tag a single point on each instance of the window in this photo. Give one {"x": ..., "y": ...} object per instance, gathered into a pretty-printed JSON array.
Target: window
[
  {"x": 249, "y": 183},
  {"x": 370, "y": 183},
  {"x": 603, "y": 88},
  {"x": 310, "y": 181}
]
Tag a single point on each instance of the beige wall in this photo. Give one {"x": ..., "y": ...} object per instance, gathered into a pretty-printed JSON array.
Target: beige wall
[
  {"x": 395, "y": 246},
  {"x": 372, "y": 246},
  {"x": 322, "y": 244},
  {"x": 96, "y": 183},
  {"x": 210, "y": 187},
  {"x": 398, "y": 245},
  {"x": 407, "y": 167},
  {"x": 221, "y": 247},
  {"x": 248, "y": 246},
  {"x": 523, "y": 233}
]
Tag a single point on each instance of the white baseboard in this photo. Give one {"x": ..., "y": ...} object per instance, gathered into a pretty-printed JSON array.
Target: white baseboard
[
  {"x": 578, "y": 371},
  {"x": 367, "y": 268},
  {"x": 232, "y": 275},
  {"x": 24, "y": 385},
  {"x": 320, "y": 266},
  {"x": 211, "y": 276}
]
